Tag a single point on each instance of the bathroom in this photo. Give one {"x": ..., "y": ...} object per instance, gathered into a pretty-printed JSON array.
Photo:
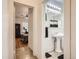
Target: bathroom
[{"x": 53, "y": 29}]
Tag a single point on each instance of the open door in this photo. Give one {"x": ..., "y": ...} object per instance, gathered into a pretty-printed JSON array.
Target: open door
[{"x": 56, "y": 29}]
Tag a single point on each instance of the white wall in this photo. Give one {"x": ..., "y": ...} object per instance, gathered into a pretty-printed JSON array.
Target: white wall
[
  {"x": 22, "y": 23},
  {"x": 30, "y": 28},
  {"x": 8, "y": 30},
  {"x": 49, "y": 42},
  {"x": 20, "y": 15},
  {"x": 4, "y": 31}
]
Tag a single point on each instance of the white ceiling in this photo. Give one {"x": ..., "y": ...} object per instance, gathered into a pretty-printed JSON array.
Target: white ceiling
[
  {"x": 20, "y": 10},
  {"x": 60, "y": 0},
  {"x": 59, "y": 3}
]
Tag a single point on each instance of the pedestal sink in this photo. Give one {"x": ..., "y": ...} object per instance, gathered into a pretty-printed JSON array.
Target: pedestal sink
[{"x": 58, "y": 43}]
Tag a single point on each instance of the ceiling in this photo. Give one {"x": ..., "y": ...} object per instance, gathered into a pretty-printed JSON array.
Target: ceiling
[
  {"x": 20, "y": 10},
  {"x": 58, "y": 3}
]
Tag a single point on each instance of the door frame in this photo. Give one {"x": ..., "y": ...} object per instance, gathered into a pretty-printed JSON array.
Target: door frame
[
  {"x": 67, "y": 29},
  {"x": 73, "y": 29},
  {"x": 72, "y": 41}
]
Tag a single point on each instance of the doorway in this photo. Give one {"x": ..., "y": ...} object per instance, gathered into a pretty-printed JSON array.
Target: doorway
[
  {"x": 56, "y": 29},
  {"x": 24, "y": 31}
]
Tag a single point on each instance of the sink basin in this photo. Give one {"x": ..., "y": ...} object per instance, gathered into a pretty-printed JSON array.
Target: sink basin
[{"x": 59, "y": 35}]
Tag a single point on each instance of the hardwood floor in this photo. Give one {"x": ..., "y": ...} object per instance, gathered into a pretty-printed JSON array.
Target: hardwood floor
[
  {"x": 20, "y": 44},
  {"x": 23, "y": 51}
]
